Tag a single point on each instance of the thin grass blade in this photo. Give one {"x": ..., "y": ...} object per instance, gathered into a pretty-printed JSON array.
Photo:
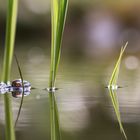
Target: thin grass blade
[
  {"x": 115, "y": 73},
  {"x": 59, "y": 9},
  {"x": 60, "y": 27},
  {"x": 21, "y": 103},
  {"x": 54, "y": 20}
]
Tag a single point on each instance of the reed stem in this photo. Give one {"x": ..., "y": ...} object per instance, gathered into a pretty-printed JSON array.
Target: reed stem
[{"x": 8, "y": 55}]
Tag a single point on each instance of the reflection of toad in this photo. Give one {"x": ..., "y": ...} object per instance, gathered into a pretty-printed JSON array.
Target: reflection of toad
[{"x": 18, "y": 93}]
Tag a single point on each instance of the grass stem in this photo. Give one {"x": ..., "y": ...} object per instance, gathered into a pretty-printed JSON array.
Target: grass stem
[
  {"x": 8, "y": 55},
  {"x": 58, "y": 15}
]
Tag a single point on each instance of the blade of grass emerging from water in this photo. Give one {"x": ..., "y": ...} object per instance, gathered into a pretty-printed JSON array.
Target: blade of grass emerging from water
[
  {"x": 58, "y": 11},
  {"x": 114, "y": 76},
  {"x": 21, "y": 103},
  {"x": 58, "y": 15},
  {"x": 112, "y": 92},
  {"x": 9, "y": 48}
]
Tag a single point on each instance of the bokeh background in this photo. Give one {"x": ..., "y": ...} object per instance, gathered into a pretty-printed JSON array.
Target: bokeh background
[{"x": 94, "y": 33}]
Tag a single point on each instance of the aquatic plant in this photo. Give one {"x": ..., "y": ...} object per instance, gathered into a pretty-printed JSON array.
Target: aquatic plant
[
  {"x": 112, "y": 86},
  {"x": 58, "y": 15},
  {"x": 8, "y": 55}
]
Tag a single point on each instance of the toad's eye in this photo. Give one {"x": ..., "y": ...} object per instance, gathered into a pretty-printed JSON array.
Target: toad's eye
[{"x": 18, "y": 84}]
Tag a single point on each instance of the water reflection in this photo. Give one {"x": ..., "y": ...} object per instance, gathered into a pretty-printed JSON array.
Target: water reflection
[
  {"x": 18, "y": 93},
  {"x": 85, "y": 110}
]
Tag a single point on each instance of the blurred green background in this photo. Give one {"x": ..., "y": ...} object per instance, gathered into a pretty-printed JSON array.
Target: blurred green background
[{"x": 94, "y": 32}]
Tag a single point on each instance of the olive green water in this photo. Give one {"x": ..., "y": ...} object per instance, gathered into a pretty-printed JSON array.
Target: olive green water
[{"x": 84, "y": 104}]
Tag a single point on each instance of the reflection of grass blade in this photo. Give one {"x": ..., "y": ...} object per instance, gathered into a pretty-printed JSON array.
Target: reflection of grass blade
[
  {"x": 115, "y": 73},
  {"x": 8, "y": 55},
  {"x": 55, "y": 129},
  {"x": 116, "y": 109},
  {"x": 58, "y": 14},
  {"x": 21, "y": 103},
  {"x": 58, "y": 134}
]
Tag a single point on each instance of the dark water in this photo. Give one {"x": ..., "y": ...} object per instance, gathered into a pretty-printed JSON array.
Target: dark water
[{"x": 84, "y": 104}]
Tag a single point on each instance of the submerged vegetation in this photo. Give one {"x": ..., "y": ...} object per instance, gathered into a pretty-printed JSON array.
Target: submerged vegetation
[{"x": 112, "y": 86}]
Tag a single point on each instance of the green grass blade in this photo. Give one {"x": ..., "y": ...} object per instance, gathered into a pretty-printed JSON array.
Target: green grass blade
[
  {"x": 60, "y": 27},
  {"x": 59, "y": 9},
  {"x": 21, "y": 103},
  {"x": 54, "y": 19},
  {"x": 115, "y": 73},
  {"x": 8, "y": 55},
  {"x": 10, "y": 38}
]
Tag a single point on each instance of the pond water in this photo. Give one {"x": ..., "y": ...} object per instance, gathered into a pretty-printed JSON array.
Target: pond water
[{"x": 84, "y": 104}]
